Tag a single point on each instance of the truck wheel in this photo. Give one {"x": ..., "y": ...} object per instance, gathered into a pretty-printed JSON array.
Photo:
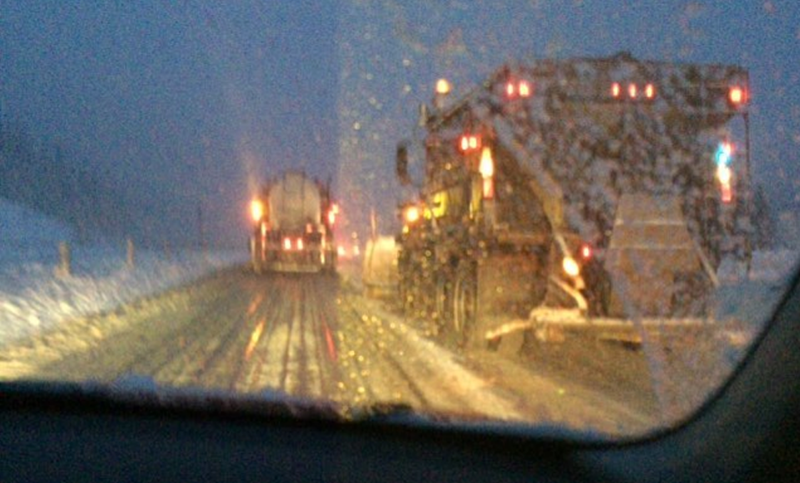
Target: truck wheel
[{"x": 465, "y": 306}]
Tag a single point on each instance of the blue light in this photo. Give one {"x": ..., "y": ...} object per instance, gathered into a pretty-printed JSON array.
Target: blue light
[{"x": 724, "y": 154}]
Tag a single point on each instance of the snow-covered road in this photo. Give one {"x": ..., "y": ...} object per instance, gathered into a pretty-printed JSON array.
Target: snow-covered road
[{"x": 310, "y": 336}]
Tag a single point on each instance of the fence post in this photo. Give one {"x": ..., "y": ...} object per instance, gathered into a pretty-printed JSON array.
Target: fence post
[
  {"x": 130, "y": 258},
  {"x": 64, "y": 267}
]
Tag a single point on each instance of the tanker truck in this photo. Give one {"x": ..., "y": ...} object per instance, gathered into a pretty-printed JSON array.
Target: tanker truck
[
  {"x": 293, "y": 218},
  {"x": 586, "y": 192}
]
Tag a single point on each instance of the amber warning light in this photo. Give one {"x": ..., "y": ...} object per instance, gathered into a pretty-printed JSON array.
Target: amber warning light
[
  {"x": 469, "y": 142},
  {"x": 412, "y": 214},
  {"x": 522, "y": 88},
  {"x": 256, "y": 210},
  {"x": 486, "y": 168},
  {"x": 737, "y": 95},
  {"x": 649, "y": 91}
]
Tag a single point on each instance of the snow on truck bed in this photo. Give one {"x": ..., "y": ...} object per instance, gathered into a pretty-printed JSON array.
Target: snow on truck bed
[{"x": 33, "y": 299}]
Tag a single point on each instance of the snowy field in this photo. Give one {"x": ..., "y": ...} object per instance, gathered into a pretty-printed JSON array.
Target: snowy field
[
  {"x": 767, "y": 266},
  {"x": 752, "y": 299},
  {"x": 34, "y": 299}
]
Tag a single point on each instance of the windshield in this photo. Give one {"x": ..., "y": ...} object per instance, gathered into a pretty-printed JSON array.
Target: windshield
[{"x": 571, "y": 215}]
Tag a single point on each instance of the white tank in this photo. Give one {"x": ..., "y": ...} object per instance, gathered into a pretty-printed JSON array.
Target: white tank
[{"x": 294, "y": 201}]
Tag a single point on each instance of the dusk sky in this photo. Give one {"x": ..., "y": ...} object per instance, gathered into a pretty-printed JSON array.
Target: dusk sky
[{"x": 187, "y": 102}]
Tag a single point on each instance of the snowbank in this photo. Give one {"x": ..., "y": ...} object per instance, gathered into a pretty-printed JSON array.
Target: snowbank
[
  {"x": 766, "y": 266},
  {"x": 776, "y": 265},
  {"x": 32, "y": 299}
]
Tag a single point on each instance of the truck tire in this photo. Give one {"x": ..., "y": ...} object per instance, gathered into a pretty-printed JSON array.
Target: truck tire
[{"x": 465, "y": 306}]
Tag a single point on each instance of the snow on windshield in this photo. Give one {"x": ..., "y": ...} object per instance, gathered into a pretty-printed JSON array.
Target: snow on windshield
[{"x": 574, "y": 215}]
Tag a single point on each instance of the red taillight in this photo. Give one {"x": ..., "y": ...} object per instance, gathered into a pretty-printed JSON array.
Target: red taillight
[
  {"x": 649, "y": 91},
  {"x": 727, "y": 194},
  {"x": 469, "y": 142},
  {"x": 725, "y": 177},
  {"x": 586, "y": 251},
  {"x": 515, "y": 89},
  {"x": 737, "y": 95}
]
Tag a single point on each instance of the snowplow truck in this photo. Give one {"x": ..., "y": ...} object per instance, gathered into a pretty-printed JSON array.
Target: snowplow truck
[
  {"x": 293, "y": 218},
  {"x": 587, "y": 191}
]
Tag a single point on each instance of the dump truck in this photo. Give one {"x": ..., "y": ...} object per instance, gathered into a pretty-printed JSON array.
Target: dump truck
[
  {"x": 585, "y": 192},
  {"x": 293, "y": 218}
]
